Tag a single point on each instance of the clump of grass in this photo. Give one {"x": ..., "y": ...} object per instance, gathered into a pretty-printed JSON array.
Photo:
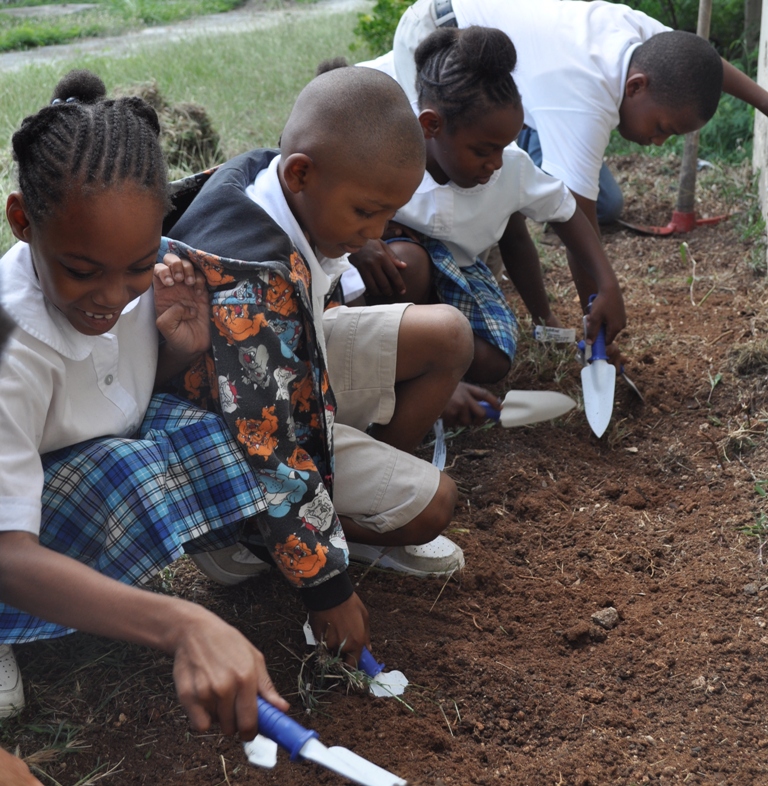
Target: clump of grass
[
  {"x": 750, "y": 359},
  {"x": 189, "y": 140},
  {"x": 323, "y": 672}
]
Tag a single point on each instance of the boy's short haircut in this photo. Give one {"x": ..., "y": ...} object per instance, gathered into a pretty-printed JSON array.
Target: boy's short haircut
[
  {"x": 683, "y": 70},
  {"x": 358, "y": 115}
]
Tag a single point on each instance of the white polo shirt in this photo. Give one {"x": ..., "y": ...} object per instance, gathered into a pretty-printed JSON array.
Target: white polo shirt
[
  {"x": 59, "y": 387},
  {"x": 572, "y": 63},
  {"x": 471, "y": 220}
]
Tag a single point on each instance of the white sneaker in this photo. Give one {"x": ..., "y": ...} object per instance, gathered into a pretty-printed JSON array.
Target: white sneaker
[
  {"x": 11, "y": 688},
  {"x": 231, "y": 565},
  {"x": 436, "y": 558}
]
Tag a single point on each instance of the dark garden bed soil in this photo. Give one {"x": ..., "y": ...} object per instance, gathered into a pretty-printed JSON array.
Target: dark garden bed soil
[{"x": 513, "y": 682}]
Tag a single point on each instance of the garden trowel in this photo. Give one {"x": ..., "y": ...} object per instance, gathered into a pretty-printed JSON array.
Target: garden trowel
[
  {"x": 598, "y": 382},
  {"x": 276, "y": 727},
  {"x": 524, "y": 407}
]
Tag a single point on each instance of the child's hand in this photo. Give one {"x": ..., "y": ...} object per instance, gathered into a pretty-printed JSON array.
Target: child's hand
[
  {"x": 181, "y": 305},
  {"x": 608, "y": 308},
  {"x": 218, "y": 674},
  {"x": 380, "y": 269},
  {"x": 344, "y": 628},
  {"x": 462, "y": 408}
]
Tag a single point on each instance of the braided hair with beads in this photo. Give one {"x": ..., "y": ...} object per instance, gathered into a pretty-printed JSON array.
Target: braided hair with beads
[
  {"x": 463, "y": 73},
  {"x": 83, "y": 140}
]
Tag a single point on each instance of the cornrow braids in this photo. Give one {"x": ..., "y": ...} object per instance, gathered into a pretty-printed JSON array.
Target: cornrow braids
[
  {"x": 463, "y": 72},
  {"x": 82, "y": 140}
]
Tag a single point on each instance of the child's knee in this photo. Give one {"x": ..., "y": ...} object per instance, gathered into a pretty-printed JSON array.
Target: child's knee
[
  {"x": 439, "y": 513},
  {"x": 417, "y": 276},
  {"x": 452, "y": 335},
  {"x": 489, "y": 365}
]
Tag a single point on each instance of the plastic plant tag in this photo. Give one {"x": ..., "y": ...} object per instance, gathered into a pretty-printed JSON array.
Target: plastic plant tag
[
  {"x": 392, "y": 683},
  {"x": 440, "y": 452},
  {"x": 554, "y": 335}
]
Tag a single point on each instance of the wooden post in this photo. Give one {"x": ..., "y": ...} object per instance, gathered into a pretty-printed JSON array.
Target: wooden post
[
  {"x": 686, "y": 194},
  {"x": 760, "y": 144}
]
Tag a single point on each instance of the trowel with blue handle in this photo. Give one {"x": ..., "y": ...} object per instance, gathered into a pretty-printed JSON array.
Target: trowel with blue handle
[
  {"x": 276, "y": 728},
  {"x": 598, "y": 382},
  {"x": 526, "y": 407}
]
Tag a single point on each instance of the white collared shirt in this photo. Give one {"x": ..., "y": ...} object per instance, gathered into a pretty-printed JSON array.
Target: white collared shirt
[
  {"x": 59, "y": 387},
  {"x": 471, "y": 220},
  {"x": 572, "y": 63}
]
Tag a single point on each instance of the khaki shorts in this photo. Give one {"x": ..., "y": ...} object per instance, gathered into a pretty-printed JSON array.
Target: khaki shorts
[{"x": 377, "y": 486}]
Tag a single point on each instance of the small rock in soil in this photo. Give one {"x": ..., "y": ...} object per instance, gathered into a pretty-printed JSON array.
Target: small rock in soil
[
  {"x": 750, "y": 589},
  {"x": 606, "y": 618}
]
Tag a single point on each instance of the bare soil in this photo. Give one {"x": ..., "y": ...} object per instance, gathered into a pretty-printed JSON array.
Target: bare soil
[{"x": 513, "y": 682}]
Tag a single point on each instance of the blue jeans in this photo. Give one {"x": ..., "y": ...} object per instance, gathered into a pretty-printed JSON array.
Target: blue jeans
[{"x": 610, "y": 201}]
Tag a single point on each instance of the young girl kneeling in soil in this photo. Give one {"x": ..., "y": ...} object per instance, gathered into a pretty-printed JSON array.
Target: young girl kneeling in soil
[
  {"x": 478, "y": 189},
  {"x": 102, "y": 484}
]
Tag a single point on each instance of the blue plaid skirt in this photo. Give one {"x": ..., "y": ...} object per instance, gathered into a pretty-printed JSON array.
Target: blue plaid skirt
[
  {"x": 474, "y": 291},
  {"x": 129, "y": 507}
]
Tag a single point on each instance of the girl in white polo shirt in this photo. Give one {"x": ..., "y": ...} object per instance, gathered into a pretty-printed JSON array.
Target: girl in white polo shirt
[
  {"x": 103, "y": 484},
  {"x": 477, "y": 191}
]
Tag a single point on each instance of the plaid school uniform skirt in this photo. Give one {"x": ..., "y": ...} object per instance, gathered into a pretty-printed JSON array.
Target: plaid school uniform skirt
[
  {"x": 129, "y": 507},
  {"x": 473, "y": 291}
]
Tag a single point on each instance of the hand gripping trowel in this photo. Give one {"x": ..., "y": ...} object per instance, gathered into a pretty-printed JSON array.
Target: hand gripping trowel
[
  {"x": 276, "y": 728},
  {"x": 598, "y": 383}
]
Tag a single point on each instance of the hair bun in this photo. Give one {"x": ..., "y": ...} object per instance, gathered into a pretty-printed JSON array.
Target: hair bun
[
  {"x": 487, "y": 50},
  {"x": 80, "y": 85}
]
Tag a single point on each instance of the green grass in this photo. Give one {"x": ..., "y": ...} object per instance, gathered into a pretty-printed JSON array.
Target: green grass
[
  {"x": 112, "y": 17},
  {"x": 247, "y": 82}
]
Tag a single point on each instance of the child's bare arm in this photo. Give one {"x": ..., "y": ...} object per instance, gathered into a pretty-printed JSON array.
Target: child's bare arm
[
  {"x": 739, "y": 85},
  {"x": 183, "y": 316},
  {"x": 14, "y": 772},
  {"x": 521, "y": 260},
  {"x": 217, "y": 671},
  {"x": 593, "y": 274}
]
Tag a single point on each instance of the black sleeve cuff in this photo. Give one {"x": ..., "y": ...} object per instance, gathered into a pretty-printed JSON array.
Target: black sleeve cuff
[{"x": 329, "y": 594}]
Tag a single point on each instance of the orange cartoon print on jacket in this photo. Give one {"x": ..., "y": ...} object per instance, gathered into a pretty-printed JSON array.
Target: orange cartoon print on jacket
[
  {"x": 302, "y": 394},
  {"x": 297, "y": 561},
  {"x": 211, "y": 266},
  {"x": 300, "y": 459},
  {"x": 299, "y": 270},
  {"x": 235, "y": 322},
  {"x": 197, "y": 381},
  {"x": 279, "y": 296},
  {"x": 257, "y": 436}
]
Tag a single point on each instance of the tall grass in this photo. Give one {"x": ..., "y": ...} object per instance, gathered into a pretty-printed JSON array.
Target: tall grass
[{"x": 246, "y": 81}]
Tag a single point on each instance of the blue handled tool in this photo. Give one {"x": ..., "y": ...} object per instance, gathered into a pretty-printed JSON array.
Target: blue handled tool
[
  {"x": 598, "y": 382},
  {"x": 303, "y": 743}
]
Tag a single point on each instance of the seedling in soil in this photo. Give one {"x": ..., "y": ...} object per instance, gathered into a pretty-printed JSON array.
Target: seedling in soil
[
  {"x": 323, "y": 672},
  {"x": 713, "y": 383},
  {"x": 759, "y": 529}
]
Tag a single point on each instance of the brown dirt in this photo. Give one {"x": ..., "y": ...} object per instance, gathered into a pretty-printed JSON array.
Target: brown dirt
[{"x": 512, "y": 680}]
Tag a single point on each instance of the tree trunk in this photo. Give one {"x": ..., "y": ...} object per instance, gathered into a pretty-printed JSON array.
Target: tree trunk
[{"x": 752, "y": 14}]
